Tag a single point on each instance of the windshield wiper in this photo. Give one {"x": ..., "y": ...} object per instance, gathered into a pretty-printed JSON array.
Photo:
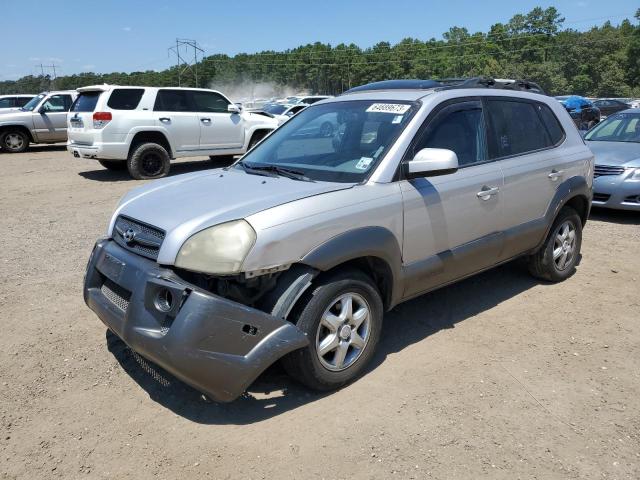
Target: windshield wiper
[
  {"x": 277, "y": 170},
  {"x": 255, "y": 171}
]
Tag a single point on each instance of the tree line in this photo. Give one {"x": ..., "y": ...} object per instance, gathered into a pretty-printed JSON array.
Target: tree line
[{"x": 603, "y": 61}]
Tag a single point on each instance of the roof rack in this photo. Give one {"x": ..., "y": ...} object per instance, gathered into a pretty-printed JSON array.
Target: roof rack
[{"x": 451, "y": 83}]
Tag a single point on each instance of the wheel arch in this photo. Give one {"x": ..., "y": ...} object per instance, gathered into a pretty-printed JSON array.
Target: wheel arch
[
  {"x": 573, "y": 192},
  {"x": 17, "y": 126},
  {"x": 373, "y": 250},
  {"x": 150, "y": 136},
  {"x": 259, "y": 133}
]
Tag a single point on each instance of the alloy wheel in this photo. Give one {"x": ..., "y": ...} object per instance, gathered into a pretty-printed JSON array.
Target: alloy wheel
[
  {"x": 564, "y": 245},
  {"x": 343, "y": 332}
]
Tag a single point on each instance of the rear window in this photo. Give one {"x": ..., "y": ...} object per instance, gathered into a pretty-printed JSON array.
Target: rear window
[
  {"x": 125, "y": 98},
  {"x": 86, "y": 102},
  {"x": 517, "y": 128}
]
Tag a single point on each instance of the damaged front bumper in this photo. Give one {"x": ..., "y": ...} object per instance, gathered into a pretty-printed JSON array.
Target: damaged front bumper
[{"x": 215, "y": 345}]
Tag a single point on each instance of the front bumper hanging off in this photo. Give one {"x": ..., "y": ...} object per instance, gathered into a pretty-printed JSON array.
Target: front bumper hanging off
[{"x": 215, "y": 345}]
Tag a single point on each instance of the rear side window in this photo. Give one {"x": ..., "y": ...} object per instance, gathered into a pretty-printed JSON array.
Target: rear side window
[
  {"x": 6, "y": 102},
  {"x": 172, "y": 101},
  {"x": 517, "y": 128},
  {"x": 209, "y": 102},
  {"x": 554, "y": 129},
  {"x": 125, "y": 98},
  {"x": 86, "y": 102}
]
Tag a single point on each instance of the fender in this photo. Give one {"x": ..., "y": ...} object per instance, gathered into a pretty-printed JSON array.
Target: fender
[
  {"x": 571, "y": 188},
  {"x": 358, "y": 243}
]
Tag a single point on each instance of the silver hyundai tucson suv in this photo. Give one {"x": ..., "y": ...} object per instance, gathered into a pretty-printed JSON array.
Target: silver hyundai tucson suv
[{"x": 296, "y": 251}]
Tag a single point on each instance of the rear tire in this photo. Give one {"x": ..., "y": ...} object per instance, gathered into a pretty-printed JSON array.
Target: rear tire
[
  {"x": 557, "y": 259},
  {"x": 113, "y": 164},
  {"x": 148, "y": 161},
  {"x": 14, "y": 141},
  {"x": 348, "y": 336}
]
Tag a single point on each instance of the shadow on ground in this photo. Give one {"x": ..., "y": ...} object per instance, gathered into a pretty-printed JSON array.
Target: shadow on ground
[
  {"x": 101, "y": 174},
  {"x": 274, "y": 393},
  {"x": 622, "y": 217}
]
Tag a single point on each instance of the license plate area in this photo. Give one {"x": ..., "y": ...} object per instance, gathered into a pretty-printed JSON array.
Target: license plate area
[{"x": 111, "y": 267}]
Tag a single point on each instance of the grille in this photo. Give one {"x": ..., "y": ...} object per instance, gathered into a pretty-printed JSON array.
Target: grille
[
  {"x": 601, "y": 197},
  {"x": 601, "y": 170},
  {"x": 147, "y": 239},
  {"x": 116, "y": 295},
  {"x": 632, "y": 199}
]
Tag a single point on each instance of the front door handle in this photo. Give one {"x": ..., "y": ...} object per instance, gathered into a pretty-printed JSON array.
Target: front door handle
[
  {"x": 487, "y": 192},
  {"x": 164, "y": 119},
  {"x": 555, "y": 174},
  {"x": 205, "y": 120}
]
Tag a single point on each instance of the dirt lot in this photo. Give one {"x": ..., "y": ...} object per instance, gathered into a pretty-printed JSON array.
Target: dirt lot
[{"x": 499, "y": 376}]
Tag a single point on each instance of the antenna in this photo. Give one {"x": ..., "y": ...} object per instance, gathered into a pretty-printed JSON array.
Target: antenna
[{"x": 182, "y": 64}]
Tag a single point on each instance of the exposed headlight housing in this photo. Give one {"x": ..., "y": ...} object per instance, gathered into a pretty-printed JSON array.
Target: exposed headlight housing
[{"x": 219, "y": 250}]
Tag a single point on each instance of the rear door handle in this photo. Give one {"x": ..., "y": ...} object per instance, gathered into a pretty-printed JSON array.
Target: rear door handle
[
  {"x": 164, "y": 119},
  {"x": 487, "y": 192},
  {"x": 555, "y": 174},
  {"x": 205, "y": 120}
]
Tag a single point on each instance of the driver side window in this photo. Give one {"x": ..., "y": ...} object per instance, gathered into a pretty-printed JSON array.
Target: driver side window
[
  {"x": 57, "y": 103},
  {"x": 460, "y": 128}
]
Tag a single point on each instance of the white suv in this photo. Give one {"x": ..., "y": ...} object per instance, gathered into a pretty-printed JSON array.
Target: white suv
[{"x": 143, "y": 128}]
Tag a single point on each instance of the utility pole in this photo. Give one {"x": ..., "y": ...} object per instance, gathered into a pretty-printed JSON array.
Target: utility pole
[{"x": 182, "y": 64}]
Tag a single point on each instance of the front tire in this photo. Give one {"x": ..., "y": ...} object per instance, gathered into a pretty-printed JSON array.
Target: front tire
[
  {"x": 342, "y": 317},
  {"x": 148, "y": 161},
  {"x": 557, "y": 259},
  {"x": 14, "y": 141}
]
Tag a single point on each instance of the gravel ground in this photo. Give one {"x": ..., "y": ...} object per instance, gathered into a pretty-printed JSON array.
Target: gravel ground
[{"x": 499, "y": 376}]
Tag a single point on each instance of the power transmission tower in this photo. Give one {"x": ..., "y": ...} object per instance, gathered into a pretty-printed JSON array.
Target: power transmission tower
[
  {"x": 183, "y": 64},
  {"x": 51, "y": 80}
]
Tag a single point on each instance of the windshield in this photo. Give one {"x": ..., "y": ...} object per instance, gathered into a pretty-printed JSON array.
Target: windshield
[
  {"x": 33, "y": 103},
  {"x": 621, "y": 127},
  {"x": 334, "y": 142},
  {"x": 275, "y": 109}
]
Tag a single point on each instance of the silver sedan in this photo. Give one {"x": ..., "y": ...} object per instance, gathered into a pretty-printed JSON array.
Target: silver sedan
[{"x": 615, "y": 143}]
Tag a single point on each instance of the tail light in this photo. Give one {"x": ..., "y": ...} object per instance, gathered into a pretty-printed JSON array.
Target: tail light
[{"x": 100, "y": 119}]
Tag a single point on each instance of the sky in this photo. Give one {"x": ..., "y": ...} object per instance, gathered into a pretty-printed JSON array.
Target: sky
[{"x": 132, "y": 35}]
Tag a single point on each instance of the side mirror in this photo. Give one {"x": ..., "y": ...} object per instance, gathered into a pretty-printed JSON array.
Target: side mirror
[
  {"x": 430, "y": 162},
  {"x": 233, "y": 108},
  {"x": 42, "y": 110}
]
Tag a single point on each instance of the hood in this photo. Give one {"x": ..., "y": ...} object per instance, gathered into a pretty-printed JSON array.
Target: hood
[
  {"x": 616, "y": 153},
  {"x": 185, "y": 204},
  {"x": 14, "y": 113}
]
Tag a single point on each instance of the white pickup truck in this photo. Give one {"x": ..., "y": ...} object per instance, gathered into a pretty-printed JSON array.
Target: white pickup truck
[{"x": 143, "y": 128}]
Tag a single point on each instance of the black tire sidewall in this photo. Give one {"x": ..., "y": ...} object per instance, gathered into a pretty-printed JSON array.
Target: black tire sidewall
[
  {"x": 9, "y": 150},
  {"x": 567, "y": 214},
  {"x": 306, "y": 365},
  {"x": 134, "y": 163}
]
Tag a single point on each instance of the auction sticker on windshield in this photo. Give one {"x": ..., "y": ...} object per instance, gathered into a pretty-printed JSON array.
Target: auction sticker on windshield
[{"x": 395, "y": 108}]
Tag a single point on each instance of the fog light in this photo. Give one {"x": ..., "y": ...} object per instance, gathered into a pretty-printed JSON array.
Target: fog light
[{"x": 164, "y": 300}]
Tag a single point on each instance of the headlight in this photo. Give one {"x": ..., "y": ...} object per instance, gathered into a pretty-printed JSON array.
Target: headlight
[
  {"x": 217, "y": 250},
  {"x": 636, "y": 174}
]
